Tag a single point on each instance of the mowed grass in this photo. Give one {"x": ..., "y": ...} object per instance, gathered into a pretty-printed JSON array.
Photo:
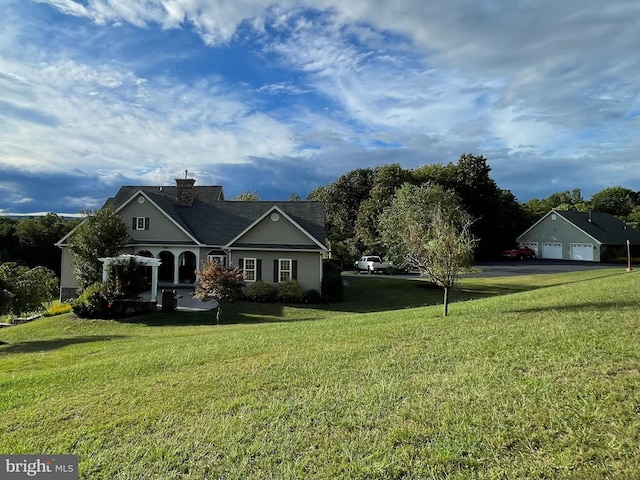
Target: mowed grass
[{"x": 541, "y": 383}]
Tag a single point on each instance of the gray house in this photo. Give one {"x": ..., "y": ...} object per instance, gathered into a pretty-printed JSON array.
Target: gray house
[
  {"x": 589, "y": 236},
  {"x": 184, "y": 225}
]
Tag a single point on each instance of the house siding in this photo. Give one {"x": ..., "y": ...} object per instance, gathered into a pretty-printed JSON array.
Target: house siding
[
  {"x": 68, "y": 281},
  {"x": 309, "y": 265},
  {"x": 160, "y": 227},
  {"x": 561, "y": 231},
  {"x": 279, "y": 232}
]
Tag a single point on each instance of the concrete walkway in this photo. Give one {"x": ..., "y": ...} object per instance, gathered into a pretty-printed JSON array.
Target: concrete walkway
[{"x": 186, "y": 302}]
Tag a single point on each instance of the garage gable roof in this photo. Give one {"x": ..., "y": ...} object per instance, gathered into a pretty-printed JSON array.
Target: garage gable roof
[{"x": 602, "y": 227}]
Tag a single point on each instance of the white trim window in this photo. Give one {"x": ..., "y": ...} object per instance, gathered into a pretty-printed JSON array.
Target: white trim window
[
  {"x": 285, "y": 269},
  {"x": 221, "y": 259},
  {"x": 140, "y": 223},
  {"x": 250, "y": 268}
]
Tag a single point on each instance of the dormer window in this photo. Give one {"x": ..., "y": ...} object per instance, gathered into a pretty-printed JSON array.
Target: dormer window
[{"x": 140, "y": 223}]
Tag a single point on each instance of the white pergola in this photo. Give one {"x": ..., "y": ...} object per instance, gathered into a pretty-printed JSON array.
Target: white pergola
[{"x": 154, "y": 263}]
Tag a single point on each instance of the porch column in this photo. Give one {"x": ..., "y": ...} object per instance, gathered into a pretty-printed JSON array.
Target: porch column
[
  {"x": 176, "y": 269},
  {"x": 106, "y": 262},
  {"x": 154, "y": 283}
]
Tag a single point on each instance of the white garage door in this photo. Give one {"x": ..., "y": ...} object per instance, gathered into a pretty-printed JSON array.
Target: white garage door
[
  {"x": 552, "y": 250},
  {"x": 582, "y": 251}
]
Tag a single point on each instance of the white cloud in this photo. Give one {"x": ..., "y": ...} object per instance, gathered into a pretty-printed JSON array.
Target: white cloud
[
  {"x": 69, "y": 7},
  {"x": 102, "y": 118},
  {"x": 535, "y": 80}
]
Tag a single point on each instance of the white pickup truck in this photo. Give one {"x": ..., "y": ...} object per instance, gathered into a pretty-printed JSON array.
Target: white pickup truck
[{"x": 371, "y": 264}]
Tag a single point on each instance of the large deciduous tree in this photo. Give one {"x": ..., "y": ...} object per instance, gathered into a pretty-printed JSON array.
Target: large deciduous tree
[
  {"x": 354, "y": 202},
  {"x": 386, "y": 179},
  {"x": 617, "y": 201},
  {"x": 342, "y": 200},
  {"x": 425, "y": 227},
  {"x": 219, "y": 283},
  {"x": 8, "y": 240},
  {"x": 101, "y": 234},
  {"x": 37, "y": 237},
  {"x": 24, "y": 289},
  {"x": 499, "y": 217}
]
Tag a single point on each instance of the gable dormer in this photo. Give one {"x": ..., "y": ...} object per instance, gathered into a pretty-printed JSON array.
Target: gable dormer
[{"x": 275, "y": 227}]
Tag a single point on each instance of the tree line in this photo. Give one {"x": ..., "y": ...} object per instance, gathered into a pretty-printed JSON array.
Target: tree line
[
  {"x": 30, "y": 261},
  {"x": 30, "y": 242},
  {"x": 355, "y": 202}
]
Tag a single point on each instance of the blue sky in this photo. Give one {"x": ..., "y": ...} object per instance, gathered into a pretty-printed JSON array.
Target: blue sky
[{"x": 281, "y": 98}]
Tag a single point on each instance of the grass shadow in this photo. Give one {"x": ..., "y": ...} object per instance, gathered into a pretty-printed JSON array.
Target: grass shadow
[
  {"x": 473, "y": 289},
  {"x": 31, "y": 346},
  {"x": 362, "y": 294},
  {"x": 368, "y": 294},
  {"x": 232, "y": 314}
]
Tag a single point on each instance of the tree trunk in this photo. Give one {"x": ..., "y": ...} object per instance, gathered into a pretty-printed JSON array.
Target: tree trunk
[
  {"x": 218, "y": 309},
  {"x": 446, "y": 301}
]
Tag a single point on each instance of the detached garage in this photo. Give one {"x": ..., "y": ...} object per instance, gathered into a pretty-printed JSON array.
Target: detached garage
[{"x": 580, "y": 236}]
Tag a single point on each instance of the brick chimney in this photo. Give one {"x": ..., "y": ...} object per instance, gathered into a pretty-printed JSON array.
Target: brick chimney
[{"x": 184, "y": 195}]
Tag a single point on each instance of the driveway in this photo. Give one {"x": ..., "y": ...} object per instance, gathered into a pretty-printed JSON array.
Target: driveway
[
  {"x": 537, "y": 266},
  {"x": 504, "y": 268}
]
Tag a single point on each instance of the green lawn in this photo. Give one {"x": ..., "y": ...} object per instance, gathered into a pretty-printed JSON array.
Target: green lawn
[{"x": 529, "y": 377}]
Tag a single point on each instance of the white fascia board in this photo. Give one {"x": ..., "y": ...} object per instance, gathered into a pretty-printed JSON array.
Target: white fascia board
[
  {"x": 263, "y": 249},
  {"x": 62, "y": 242}
]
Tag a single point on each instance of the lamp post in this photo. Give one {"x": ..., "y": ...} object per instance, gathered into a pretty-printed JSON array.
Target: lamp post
[{"x": 628, "y": 256}]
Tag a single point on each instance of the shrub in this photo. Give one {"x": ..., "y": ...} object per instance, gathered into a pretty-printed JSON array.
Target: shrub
[
  {"x": 24, "y": 290},
  {"x": 332, "y": 289},
  {"x": 290, "y": 291},
  {"x": 312, "y": 296},
  {"x": 260, "y": 291},
  {"x": 93, "y": 302}
]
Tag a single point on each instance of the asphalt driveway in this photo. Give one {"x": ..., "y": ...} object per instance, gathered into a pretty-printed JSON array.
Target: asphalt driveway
[
  {"x": 504, "y": 268},
  {"x": 537, "y": 266}
]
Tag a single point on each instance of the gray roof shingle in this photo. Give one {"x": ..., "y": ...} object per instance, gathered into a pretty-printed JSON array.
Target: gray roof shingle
[
  {"x": 215, "y": 221},
  {"x": 602, "y": 226}
]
